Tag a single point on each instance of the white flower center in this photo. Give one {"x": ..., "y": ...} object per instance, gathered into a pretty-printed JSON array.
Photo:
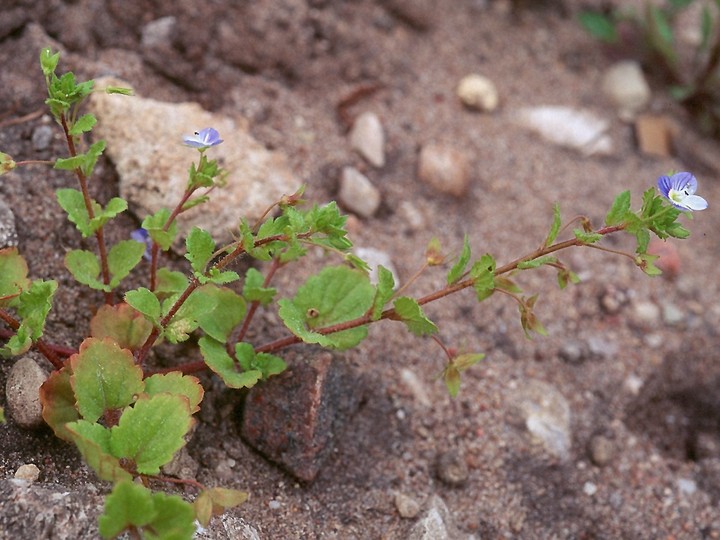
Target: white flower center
[{"x": 677, "y": 196}]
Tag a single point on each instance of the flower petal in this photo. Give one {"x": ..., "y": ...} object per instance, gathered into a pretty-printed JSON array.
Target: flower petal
[
  {"x": 694, "y": 202},
  {"x": 664, "y": 185},
  {"x": 685, "y": 182}
]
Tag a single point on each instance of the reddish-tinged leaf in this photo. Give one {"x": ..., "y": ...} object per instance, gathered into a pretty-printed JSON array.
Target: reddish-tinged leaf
[
  {"x": 121, "y": 323},
  {"x": 58, "y": 402}
]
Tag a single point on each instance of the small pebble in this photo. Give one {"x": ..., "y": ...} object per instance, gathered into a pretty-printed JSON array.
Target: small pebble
[
  {"x": 8, "y": 232},
  {"x": 672, "y": 314},
  {"x": 647, "y": 311},
  {"x": 368, "y": 138},
  {"x": 158, "y": 32},
  {"x": 452, "y": 468},
  {"x": 42, "y": 137},
  {"x": 28, "y": 472},
  {"x": 357, "y": 193},
  {"x": 374, "y": 258},
  {"x": 624, "y": 83},
  {"x": 633, "y": 384},
  {"x": 573, "y": 352},
  {"x": 589, "y": 489},
  {"x": 601, "y": 450},
  {"x": 274, "y": 505},
  {"x": 444, "y": 168},
  {"x": 686, "y": 486},
  {"x": 478, "y": 92},
  {"x": 22, "y": 392},
  {"x": 407, "y": 507}
]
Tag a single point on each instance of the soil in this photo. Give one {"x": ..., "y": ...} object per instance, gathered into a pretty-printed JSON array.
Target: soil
[{"x": 644, "y": 384}]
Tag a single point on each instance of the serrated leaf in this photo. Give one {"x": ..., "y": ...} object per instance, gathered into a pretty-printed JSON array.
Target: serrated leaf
[
  {"x": 218, "y": 360},
  {"x": 464, "y": 361},
  {"x": 85, "y": 268},
  {"x": 83, "y": 124},
  {"x": 58, "y": 402},
  {"x": 646, "y": 263},
  {"x": 154, "y": 224},
  {"x": 121, "y": 323},
  {"x": 587, "y": 237},
  {"x": 384, "y": 291},
  {"x": 337, "y": 294},
  {"x": 253, "y": 289},
  {"x": 619, "y": 209},
  {"x": 48, "y": 61},
  {"x": 187, "y": 318},
  {"x": 200, "y": 247},
  {"x": 150, "y": 432},
  {"x": 128, "y": 505},
  {"x": 33, "y": 306},
  {"x": 72, "y": 201},
  {"x": 170, "y": 282},
  {"x": 483, "y": 275},
  {"x": 535, "y": 263},
  {"x": 105, "y": 377},
  {"x": 122, "y": 258},
  {"x": 228, "y": 311},
  {"x": 267, "y": 364},
  {"x": 409, "y": 312},
  {"x": 458, "y": 268},
  {"x": 144, "y": 301},
  {"x": 13, "y": 276},
  {"x": 555, "y": 227},
  {"x": 93, "y": 441},
  {"x": 176, "y": 383},
  {"x": 174, "y": 521},
  {"x": 218, "y": 277}
]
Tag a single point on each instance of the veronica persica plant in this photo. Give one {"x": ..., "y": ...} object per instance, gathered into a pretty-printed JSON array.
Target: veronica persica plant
[
  {"x": 203, "y": 139},
  {"x": 680, "y": 190}
]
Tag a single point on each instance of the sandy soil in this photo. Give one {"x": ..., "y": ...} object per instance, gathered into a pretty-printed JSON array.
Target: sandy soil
[{"x": 646, "y": 378}]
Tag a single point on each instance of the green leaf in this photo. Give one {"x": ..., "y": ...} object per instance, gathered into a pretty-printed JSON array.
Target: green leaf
[
  {"x": 267, "y": 364},
  {"x": 105, "y": 377},
  {"x": 188, "y": 317},
  {"x": 122, "y": 258},
  {"x": 13, "y": 276},
  {"x": 337, "y": 294},
  {"x": 384, "y": 291},
  {"x": 566, "y": 276},
  {"x": 555, "y": 227},
  {"x": 227, "y": 313},
  {"x": 619, "y": 209},
  {"x": 218, "y": 360},
  {"x": 71, "y": 200},
  {"x": 33, "y": 306},
  {"x": 144, "y": 301},
  {"x": 119, "y": 90},
  {"x": 129, "y": 505},
  {"x": 254, "y": 290},
  {"x": 458, "y": 268},
  {"x": 174, "y": 521},
  {"x": 200, "y": 247},
  {"x": 85, "y": 268},
  {"x": 179, "y": 384},
  {"x": 218, "y": 277},
  {"x": 410, "y": 312},
  {"x": 93, "y": 441},
  {"x": 534, "y": 263},
  {"x": 121, "y": 323},
  {"x": 451, "y": 377},
  {"x": 483, "y": 275},
  {"x": 48, "y": 61},
  {"x": 85, "y": 162},
  {"x": 154, "y": 224},
  {"x": 58, "y": 402},
  {"x": 599, "y": 26},
  {"x": 587, "y": 237},
  {"x": 170, "y": 282},
  {"x": 152, "y": 431},
  {"x": 646, "y": 263},
  {"x": 83, "y": 124},
  {"x": 7, "y": 163}
]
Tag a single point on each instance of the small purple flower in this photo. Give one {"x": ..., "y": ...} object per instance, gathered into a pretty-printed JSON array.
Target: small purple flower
[
  {"x": 680, "y": 191},
  {"x": 203, "y": 139},
  {"x": 142, "y": 236}
]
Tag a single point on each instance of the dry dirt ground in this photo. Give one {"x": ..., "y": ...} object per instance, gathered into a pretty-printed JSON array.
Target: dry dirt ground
[{"x": 645, "y": 377}]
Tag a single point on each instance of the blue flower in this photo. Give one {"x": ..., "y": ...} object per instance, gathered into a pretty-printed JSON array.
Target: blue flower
[
  {"x": 680, "y": 191},
  {"x": 203, "y": 139},
  {"x": 142, "y": 236}
]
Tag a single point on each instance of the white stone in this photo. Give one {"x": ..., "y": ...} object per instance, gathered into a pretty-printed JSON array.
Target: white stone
[
  {"x": 565, "y": 126},
  {"x": 545, "y": 413},
  {"x": 144, "y": 141},
  {"x": 625, "y": 85},
  {"x": 478, "y": 92},
  {"x": 158, "y": 32},
  {"x": 589, "y": 489},
  {"x": 28, "y": 472},
  {"x": 22, "y": 392},
  {"x": 357, "y": 193},
  {"x": 368, "y": 138},
  {"x": 445, "y": 169},
  {"x": 374, "y": 258}
]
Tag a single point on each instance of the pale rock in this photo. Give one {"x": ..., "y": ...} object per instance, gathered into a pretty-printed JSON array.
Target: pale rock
[
  {"x": 357, "y": 193},
  {"x": 478, "y": 92},
  {"x": 374, "y": 258},
  {"x": 545, "y": 413},
  {"x": 22, "y": 392},
  {"x": 407, "y": 507},
  {"x": 574, "y": 128},
  {"x": 625, "y": 85},
  {"x": 158, "y": 32},
  {"x": 8, "y": 232},
  {"x": 445, "y": 169},
  {"x": 367, "y": 138},
  {"x": 144, "y": 140},
  {"x": 28, "y": 472},
  {"x": 416, "y": 387},
  {"x": 436, "y": 524}
]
